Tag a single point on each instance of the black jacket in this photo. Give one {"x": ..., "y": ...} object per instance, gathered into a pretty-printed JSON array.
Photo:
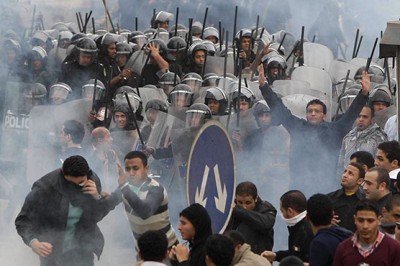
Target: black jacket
[
  {"x": 300, "y": 236},
  {"x": 44, "y": 215},
  {"x": 314, "y": 149},
  {"x": 344, "y": 207},
  {"x": 256, "y": 225}
]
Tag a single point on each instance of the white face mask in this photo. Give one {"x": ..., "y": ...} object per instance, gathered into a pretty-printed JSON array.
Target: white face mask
[{"x": 294, "y": 220}]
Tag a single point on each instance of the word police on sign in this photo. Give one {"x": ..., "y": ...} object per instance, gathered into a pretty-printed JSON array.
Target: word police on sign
[
  {"x": 16, "y": 121},
  {"x": 211, "y": 173}
]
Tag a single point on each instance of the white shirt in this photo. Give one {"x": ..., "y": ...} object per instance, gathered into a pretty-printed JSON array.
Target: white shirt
[{"x": 393, "y": 173}]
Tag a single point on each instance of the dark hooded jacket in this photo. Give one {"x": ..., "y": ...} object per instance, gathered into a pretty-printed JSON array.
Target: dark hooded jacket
[{"x": 324, "y": 244}]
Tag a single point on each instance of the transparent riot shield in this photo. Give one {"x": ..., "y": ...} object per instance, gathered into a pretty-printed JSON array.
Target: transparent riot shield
[
  {"x": 319, "y": 80},
  {"x": 297, "y": 103},
  {"x": 43, "y": 143},
  {"x": 255, "y": 88},
  {"x": 338, "y": 70},
  {"x": 45, "y": 127},
  {"x": 358, "y": 61},
  {"x": 137, "y": 61},
  {"x": 215, "y": 64},
  {"x": 15, "y": 124},
  {"x": 150, "y": 92},
  {"x": 317, "y": 55},
  {"x": 199, "y": 96},
  {"x": 290, "y": 87}
]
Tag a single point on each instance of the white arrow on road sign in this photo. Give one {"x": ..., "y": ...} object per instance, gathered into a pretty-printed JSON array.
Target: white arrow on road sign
[
  {"x": 199, "y": 196},
  {"x": 220, "y": 201}
]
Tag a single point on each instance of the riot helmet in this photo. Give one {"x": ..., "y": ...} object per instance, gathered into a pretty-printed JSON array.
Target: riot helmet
[
  {"x": 88, "y": 88},
  {"x": 211, "y": 50},
  {"x": 181, "y": 32},
  {"x": 59, "y": 92},
  {"x": 371, "y": 71},
  {"x": 379, "y": 74},
  {"x": 150, "y": 33},
  {"x": 124, "y": 51},
  {"x": 175, "y": 44},
  {"x": 197, "y": 115},
  {"x": 107, "y": 42},
  {"x": 138, "y": 37},
  {"x": 37, "y": 58},
  {"x": 153, "y": 107},
  {"x": 379, "y": 97},
  {"x": 216, "y": 100},
  {"x": 87, "y": 51},
  {"x": 162, "y": 47},
  {"x": 34, "y": 94},
  {"x": 121, "y": 105},
  {"x": 276, "y": 66},
  {"x": 194, "y": 80},
  {"x": 210, "y": 80},
  {"x": 122, "y": 115},
  {"x": 244, "y": 38},
  {"x": 76, "y": 37},
  {"x": 120, "y": 92},
  {"x": 181, "y": 96},
  {"x": 61, "y": 26},
  {"x": 348, "y": 96},
  {"x": 197, "y": 27},
  {"x": 168, "y": 81},
  {"x": 211, "y": 34},
  {"x": 157, "y": 104},
  {"x": 125, "y": 33},
  {"x": 199, "y": 46},
  {"x": 43, "y": 39},
  {"x": 163, "y": 34},
  {"x": 124, "y": 48},
  {"x": 245, "y": 95},
  {"x": 65, "y": 39},
  {"x": 275, "y": 46},
  {"x": 161, "y": 19}
]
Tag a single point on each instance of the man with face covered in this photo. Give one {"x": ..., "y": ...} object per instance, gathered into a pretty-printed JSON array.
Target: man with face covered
[
  {"x": 253, "y": 217},
  {"x": 145, "y": 200},
  {"x": 59, "y": 217}
]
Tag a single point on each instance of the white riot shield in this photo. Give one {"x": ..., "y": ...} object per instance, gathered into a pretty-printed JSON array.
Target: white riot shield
[
  {"x": 317, "y": 55},
  {"x": 358, "y": 61},
  {"x": 338, "y": 70},
  {"x": 297, "y": 103},
  {"x": 319, "y": 80}
]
